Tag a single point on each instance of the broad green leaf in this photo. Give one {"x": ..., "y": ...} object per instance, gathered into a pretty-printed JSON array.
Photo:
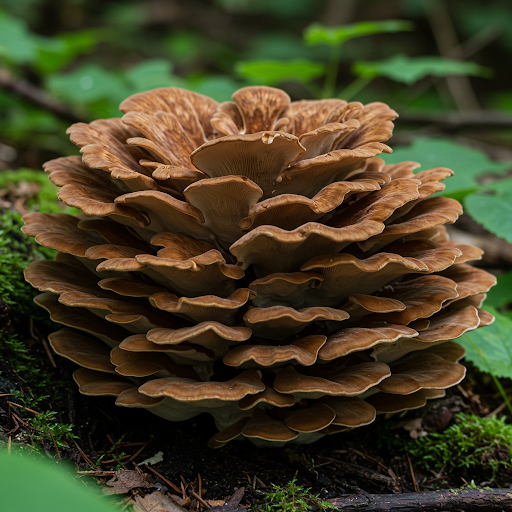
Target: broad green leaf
[
  {"x": 467, "y": 163},
  {"x": 494, "y": 212},
  {"x": 65, "y": 47},
  {"x": 501, "y": 294},
  {"x": 150, "y": 74},
  {"x": 335, "y": 36},
  {"x": 87, "y": 84},
  {"x": 184, "y": 45},
  {"x": 219, "y": 88},
  {"x": 408, "y": 70},
  {"x": 490, "y": 348},
  {"x": 52, "y": 486},
  {"x": 17, "y": 44},
  {"x": 273, "y": 72}
]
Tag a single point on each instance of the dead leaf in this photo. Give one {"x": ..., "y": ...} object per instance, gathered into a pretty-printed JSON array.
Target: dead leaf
[
  {"x": 123, "y": 481},
  {"x": 156, "y": 502}
]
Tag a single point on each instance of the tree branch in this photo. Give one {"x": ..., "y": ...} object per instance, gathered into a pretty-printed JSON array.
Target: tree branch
[
  {"x": 38, "y": 97},
  {"x": 469, "y": 500}
]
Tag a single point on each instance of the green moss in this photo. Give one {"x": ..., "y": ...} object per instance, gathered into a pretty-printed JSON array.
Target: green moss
[
  {"x": 472, "y": 442},
  {"x": 292, "y": 498}
]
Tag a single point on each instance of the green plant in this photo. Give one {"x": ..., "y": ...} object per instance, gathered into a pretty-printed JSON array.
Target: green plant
[
  {"x": 292, "y": 498},
  {"x": 399, "y": 68},
  {"x": 471, "y": 442}
]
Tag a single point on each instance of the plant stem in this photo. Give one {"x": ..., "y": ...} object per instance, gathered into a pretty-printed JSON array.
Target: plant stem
[
  {"x": 352, "y": 89},
  {"x": 332, "y": 72}
]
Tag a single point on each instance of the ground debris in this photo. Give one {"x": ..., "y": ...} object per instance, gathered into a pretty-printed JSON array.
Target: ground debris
[
  {"x": 124, "y": 481},
  {"x": 155, "y": 502}
]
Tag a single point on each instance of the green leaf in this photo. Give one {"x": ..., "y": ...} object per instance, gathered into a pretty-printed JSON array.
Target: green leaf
[
  {"x": 17, "y": 44},
  {"x": 494, "y": 212},
  {"x": 88, "y": 84},
  {"x": 407, "y": 70},
  {"x": 63, "y": 50},
  {"x": 501, "y": 294},
  {"x": 335, "y": 36},
  {"x": 53, "y": 488},
  {"x": 273, "y": 72},
  {"x": 219, "y": 88},
  {"x": 150, "y": 74},
  {"x": 490, "y": 347},
  {"x": 467, "y": 163}
]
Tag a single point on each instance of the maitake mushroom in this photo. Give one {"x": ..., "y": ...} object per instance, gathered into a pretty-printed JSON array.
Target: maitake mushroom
[{"x": 255, "y": 260}]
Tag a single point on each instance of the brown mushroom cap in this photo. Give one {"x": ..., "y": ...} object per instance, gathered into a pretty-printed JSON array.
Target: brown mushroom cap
[
  {"x": 262, "y": 426},
  {"x": 350, "y": 381},
  {"x": 350, "y": 411},
  {"x": 311, "y": 419},
  {"x": 205, "y": 394}
]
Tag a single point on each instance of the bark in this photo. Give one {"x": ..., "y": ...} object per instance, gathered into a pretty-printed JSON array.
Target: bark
[{"x": 466, "y": 500}]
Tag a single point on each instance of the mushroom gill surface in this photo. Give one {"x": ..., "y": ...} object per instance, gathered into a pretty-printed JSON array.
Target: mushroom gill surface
[{"x": 255, "y": 260}]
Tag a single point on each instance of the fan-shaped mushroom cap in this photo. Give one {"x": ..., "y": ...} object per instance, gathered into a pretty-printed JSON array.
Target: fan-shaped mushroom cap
[
  {"x": 349, "y": 381},
  {"x": 268, "y": 396},
  {"x": 82, "y": 319},
  {"x": 304, "y": 351},
  {"x": 262, "y": 426},
  {"x": 205, "y": 394},
  {"x": 279, "y": 322},
  {"x": 355, "y": 339},
  {"x": 228, "y": 434},
  {"x": 59, "y": 231},
  {"x": 131, "y": 364},
  {"x": 386, "y": 403},
  {"x": 350, "y": 411},
  {"x": 312, "y": 419},
  {"x": 258, "y": 156},
  {"x": 422, "y": 371},
  {"x": 95, "y": 383},
  {"x": 207, "y": 307},
  {"x": 83, "y": 350}
]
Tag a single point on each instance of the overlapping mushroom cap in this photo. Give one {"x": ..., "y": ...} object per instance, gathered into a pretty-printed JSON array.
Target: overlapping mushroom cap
[{"x": 255, "y": 260}]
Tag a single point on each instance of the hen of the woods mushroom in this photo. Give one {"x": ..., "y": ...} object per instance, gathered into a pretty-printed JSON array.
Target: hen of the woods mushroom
[{"x": 254, "y": 260}]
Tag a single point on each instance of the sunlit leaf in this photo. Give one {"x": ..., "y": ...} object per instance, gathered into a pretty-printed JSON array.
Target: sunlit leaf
[
  {"x": 273, "y": 72},
  {"x": 150, "y": 74},
  {"x": 490, "y": 348},
  {"x": 501, "y": 294},
  {"x": 17, "y": 44},
  {"x": 466, "y": 162},
  {"x": 408, "y": 70},
  {"x": 334, "y": 36},
  {"x": 87, "y": 84},
  {"x": 64, "y": 48},
  {"x": 494, "y": 212},
  {"x": 219, "y": 88}
]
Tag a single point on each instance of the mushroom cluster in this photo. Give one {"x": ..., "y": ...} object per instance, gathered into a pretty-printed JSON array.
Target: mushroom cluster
[{"x": 255, "y": 260}]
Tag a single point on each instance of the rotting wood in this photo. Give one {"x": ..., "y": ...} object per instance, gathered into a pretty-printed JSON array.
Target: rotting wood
[{"x": 468, "y": 500}]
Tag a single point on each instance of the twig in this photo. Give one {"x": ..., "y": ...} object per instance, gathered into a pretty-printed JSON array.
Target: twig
[
  {"x": 416, "y": 488},
  {"x": 365, "y": 456},
  {"x": 24, "y": 408},
  {"x": 497, "y": 410},
  {"x": 89, "y": 461},
  {"x": 54, "y": 443},
  {"x": 168, "y": 482},
  {"x": 36, "y": 96},
  {"x": 198, "y": 498}
]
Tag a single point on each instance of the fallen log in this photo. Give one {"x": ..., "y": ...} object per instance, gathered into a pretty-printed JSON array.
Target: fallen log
[{"x": 467, "y": 500}]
